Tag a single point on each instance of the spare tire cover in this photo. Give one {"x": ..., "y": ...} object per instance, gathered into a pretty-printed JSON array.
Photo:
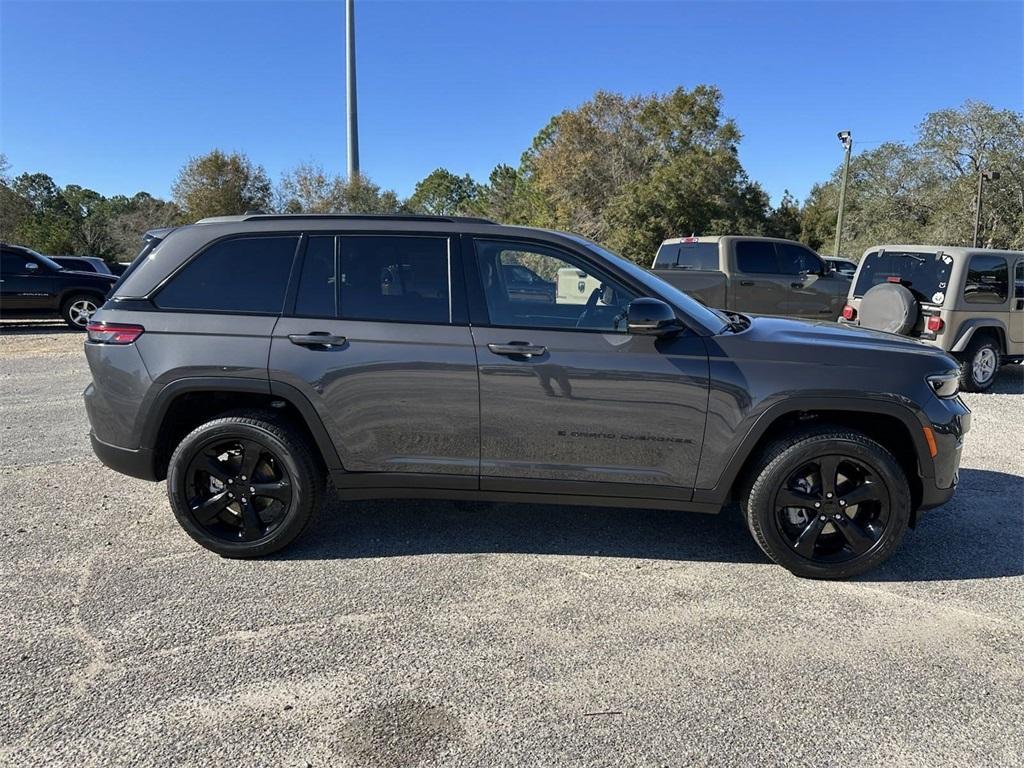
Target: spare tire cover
[{"x": 889, "y": 307}]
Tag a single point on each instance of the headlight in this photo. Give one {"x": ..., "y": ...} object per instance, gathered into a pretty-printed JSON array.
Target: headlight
[{"x": 945, "y": 384}]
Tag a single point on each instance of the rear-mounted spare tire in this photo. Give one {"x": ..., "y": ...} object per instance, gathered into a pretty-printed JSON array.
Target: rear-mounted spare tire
[{"x": 890, "y": 307}]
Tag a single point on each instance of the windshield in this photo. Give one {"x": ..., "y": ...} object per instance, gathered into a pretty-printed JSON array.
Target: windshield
[
  {"x": 925, "y": 274},
  {"x": 711, "y": 321}
]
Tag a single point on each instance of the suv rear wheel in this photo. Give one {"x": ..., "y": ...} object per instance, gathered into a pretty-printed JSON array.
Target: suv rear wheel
[
  {"x": 979, "y": 364},
  {"x": 828, "y": 504},
  {"x": 244, "y": 485}
]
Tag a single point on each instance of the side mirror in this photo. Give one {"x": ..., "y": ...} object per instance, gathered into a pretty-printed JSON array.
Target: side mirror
[
  {"x": 651, "y": 317},
  {"x": 31, "y": 266}
]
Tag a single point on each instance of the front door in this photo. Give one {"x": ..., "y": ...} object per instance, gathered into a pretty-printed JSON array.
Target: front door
[
  {"x": 25, "y": 283},
  {"x": 757, "y": 284},
  {"x": 567, "y": 397},
  {"x": 814, "y": 291},
  {"x": 377, "y": 340}
]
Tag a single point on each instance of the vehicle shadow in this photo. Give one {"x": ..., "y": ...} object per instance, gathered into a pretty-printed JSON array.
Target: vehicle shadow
[
  {"x": 1009, "y": 381},
  {"x": 25, "y": 327},
  {"x": 978, "y": 535},
  {"x": 414, "y": 527}
]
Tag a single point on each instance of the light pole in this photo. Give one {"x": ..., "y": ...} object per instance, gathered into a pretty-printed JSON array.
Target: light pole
[
  {"x": 982, "y": 176},
  {"x": 847, "y": 140},
  {"x": 350, "y": 90}
]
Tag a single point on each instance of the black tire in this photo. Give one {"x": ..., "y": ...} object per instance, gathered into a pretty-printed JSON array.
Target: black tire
[
  {"x": 205, "y": 470},
  {"x": 845, "y": 539},
  {"x": 980, "y": 358},
  {"x": 76, "y": 309}
]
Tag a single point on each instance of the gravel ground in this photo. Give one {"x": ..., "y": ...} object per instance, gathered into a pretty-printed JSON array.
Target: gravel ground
[{"x": 416, "y": 633}]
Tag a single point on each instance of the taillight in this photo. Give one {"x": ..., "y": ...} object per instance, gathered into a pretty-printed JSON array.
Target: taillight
[
  {"x": 849, "y": 312},
  {"x": 934, "y": 324},
  {"x": 110, "y": 333}
]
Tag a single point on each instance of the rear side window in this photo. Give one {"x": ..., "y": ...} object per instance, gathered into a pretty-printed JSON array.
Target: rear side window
[
  {"x": 246, "y": 274},
  {"x": 318, "y": 286},
  {"x": 395, "y": 278},
  {"x": 988, "y": 280},
  {"x": 756, "y": 257}
]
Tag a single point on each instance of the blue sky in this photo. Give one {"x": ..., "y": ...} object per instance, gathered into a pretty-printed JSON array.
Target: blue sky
[{"x": 117, "y": 95}]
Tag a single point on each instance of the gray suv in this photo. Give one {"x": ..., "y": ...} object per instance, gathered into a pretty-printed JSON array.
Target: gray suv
[{"x": 248, "y": 359}]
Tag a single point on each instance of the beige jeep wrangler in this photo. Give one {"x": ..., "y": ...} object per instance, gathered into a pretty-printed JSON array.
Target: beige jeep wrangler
[{"x": 968, "y": 301}]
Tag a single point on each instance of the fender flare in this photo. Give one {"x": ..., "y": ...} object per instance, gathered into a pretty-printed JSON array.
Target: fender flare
[
  {"x": 161, "y": 402},
  {"x": 720, "y": 492},
  {"x": 968, "y": 327}
]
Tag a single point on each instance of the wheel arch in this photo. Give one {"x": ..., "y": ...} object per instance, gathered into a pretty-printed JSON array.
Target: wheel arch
[
  {"x": 892, "y": 425},
  {"x": 981, "y": 325},
  {"x": 184, "y": 404}
]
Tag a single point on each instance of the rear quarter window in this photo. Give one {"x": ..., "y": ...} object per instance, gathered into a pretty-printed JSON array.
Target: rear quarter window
[
  {"x": 988, "y": 280},
  {"x": 245, "y": 274}
]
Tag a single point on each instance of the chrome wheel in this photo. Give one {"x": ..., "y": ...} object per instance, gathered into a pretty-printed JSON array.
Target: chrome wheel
[
  {"x": 984, "y": 365},
  {"x": 80, "y": 312}
]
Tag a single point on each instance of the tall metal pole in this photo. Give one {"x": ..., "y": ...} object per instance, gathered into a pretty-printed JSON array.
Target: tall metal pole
[
  {"x": 847, "y": 139},
  {"x": 350, "y": 89}
]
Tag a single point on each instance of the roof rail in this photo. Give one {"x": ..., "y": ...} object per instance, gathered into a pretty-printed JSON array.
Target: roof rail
[{"x": 376, "y": 216}]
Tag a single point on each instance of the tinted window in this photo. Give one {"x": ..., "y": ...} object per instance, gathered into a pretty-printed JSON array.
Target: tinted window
[
  {"x": 247, "y": 274},
  {"x": 1018, "y": 281},
  {"x": 795, "y": 260},
  {"x": 567, "y": 294},
  {"x": 925, "y": 274},
  {"x": 698, "y": 256},
  {"x": 756, "y": 257},
  {"x": 987, "y": 280},
  {"x": 11, "y": 263},
  {"x": 318, "y": 290},
  {"x": 404, "y": 279},
  {"x": 667, "y": 256}
]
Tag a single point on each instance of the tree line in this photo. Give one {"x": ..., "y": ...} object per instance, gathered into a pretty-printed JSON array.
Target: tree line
[{"x": 626, "y": 171}]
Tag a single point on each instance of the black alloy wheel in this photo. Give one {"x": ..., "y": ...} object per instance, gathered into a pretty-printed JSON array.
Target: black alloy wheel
[
  {"x": 237, "y": 490},
  {"x": 832, "y": 509}
]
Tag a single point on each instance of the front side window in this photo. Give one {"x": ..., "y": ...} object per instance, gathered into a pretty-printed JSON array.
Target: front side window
[
  {"x": 756, "y": 257},
  {"x": 987, "y": 280},
  {"x": 395, "y": 278},
  {"x": 245, "y": 274},
  {"x": 565, "y": 293},
  {"x": 796, "y": 260}
]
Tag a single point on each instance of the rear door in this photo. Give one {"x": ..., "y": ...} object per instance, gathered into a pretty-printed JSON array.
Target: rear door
[
  {"x": 1017, "y": 309},
  {"x": 569, "y": 401},
  {"x": 757, "y": 283},
  {"x": 375, "y": 336}
]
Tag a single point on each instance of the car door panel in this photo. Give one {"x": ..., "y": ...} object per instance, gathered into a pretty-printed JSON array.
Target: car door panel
[
  {"x": 427, "y": 420},
  {"x": 593, "y": 407}
]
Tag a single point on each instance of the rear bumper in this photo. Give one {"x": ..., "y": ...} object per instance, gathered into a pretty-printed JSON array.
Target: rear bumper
[{"x": 134, "y": 462}]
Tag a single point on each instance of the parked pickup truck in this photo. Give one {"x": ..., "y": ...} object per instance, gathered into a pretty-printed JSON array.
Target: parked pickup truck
[{"x": 764, "y": 275}]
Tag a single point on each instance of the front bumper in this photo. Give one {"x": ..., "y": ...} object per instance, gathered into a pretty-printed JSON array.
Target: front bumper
[
  {"x": 134, "y": 462},
  {"x": 949, "y": 425}
]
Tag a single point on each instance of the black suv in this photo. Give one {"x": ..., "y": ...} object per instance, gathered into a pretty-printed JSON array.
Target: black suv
[
  {"x": 246, "y": 359},
  {"x": 33, "y": 285}
]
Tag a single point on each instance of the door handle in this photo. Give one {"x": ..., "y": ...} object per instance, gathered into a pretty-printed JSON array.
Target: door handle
[
  {"x": 518, "y": 348},
  {"x": 316, "y": 339},
  {"x": 746, "y": 282}
]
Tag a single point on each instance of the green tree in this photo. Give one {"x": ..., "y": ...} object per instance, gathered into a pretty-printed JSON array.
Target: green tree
[
  {"x": 219, "y": 184},
  {"x": 442, "y": 193},
  {"x": 48, "y": 223},
  {"x": 785, "y": 220},
  {"x": 309, "y": 189},
  {"x": 131, "y": 217},
  {"x": 501, "y": 198}
]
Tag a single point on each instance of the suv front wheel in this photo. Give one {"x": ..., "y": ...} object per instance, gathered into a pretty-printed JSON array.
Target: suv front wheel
[
  {"x": 828, "y": 504},
  {"x": 979, "y": 364},
  {"x": 244, "y": 485}
]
